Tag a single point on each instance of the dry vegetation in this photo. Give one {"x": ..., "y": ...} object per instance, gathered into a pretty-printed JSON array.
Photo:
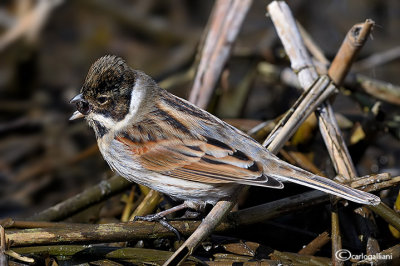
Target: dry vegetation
[{"x": 57, "y": 195}]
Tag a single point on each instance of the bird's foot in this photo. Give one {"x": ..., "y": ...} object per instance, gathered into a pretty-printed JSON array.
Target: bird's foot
[
  {"x": 192, "y": 215},
  {"x": 161, "y": 219}
]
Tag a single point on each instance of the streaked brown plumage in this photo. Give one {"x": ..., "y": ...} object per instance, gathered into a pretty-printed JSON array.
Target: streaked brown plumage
[{"x": 154, "y": 138}]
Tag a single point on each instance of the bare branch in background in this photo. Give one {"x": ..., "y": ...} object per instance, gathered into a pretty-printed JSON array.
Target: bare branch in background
[
  {"x": 227, "y": 18},
  {"x": 29, "y": 24}
]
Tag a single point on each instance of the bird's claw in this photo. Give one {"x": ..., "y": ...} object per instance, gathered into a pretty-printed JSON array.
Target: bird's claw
[
  {"x": 167, "y": 225},
  {"x": 149, "y": 218},
  {"x": 162, "y": 220}
]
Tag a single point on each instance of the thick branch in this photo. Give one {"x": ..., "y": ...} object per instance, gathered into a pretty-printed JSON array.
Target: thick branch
[{"x": 79, "y": 202}]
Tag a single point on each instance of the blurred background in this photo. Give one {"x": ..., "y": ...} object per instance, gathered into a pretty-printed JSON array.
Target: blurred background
[{"x": 47, "y": 47}]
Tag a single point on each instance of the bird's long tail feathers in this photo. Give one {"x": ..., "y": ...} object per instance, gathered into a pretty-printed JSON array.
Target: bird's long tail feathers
[{"x": 287, "y": 172}]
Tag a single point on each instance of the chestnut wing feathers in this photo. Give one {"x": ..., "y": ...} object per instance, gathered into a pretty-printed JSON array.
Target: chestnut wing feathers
[{"x": 208, "y": 161}]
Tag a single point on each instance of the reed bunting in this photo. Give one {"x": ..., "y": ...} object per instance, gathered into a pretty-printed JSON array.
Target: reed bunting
[{"x": 156, "y": 139}]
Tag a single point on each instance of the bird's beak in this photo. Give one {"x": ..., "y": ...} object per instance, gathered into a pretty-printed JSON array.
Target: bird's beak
[
  {"x": 78, "y": 98},
  {"x": 76, "y": 115}
]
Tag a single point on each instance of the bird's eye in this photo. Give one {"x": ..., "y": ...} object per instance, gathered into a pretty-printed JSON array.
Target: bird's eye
[
  {"x": 83, "y": 107},
  {"x": 102, "y": 99}
]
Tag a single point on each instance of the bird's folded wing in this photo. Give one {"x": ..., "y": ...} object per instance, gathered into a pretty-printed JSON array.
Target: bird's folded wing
[{"x": 208, "y": 161}]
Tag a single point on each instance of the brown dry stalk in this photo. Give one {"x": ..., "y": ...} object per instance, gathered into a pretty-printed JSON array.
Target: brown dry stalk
[
  {"x": 301, "y": 63},
  {"x": 92, "y": 195},
  {"x": 29, "y": 24},
  {"x": 387, "y": 255},
  {"x": 3, "y": 258},
  {"x": 306, "y": 76},
  {"x": 226, "y": 21},
  {"x": 125, "y": 255},
  {"x": 148, "y": 204},
  {"x": 223, "y": 28},
  {"x": 383, "y": 210},
  {"x": 381, "y": 90},
  {"x": 52, "y": 233},
  {"x": 298, "y": 113},
  {"x": 288, "y": 258},
  {"x": 377, "y": 59},
  {"x": 352, "y": 44},
  {"x": 336, "y": 237},
  {"x": 315, "y": 245}
]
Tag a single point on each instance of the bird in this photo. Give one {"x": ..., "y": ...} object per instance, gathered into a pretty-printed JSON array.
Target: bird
[{"x": 156, "y": 139}]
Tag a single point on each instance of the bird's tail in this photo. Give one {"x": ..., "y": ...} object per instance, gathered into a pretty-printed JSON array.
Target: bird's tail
[{"x": 286, "y": 172}]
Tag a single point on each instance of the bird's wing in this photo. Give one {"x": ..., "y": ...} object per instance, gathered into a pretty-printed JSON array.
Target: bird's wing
[{"x": 208, "y": 161}]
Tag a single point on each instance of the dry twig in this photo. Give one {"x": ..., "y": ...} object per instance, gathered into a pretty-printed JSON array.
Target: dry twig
[
  {"x": 287, "y": 258},
  {"x": 127, "y": 255},
  {"x": 315, "y": 245},
  {"x": 384, "y": 211},
  {"x": 307, "y": 74},
  {"x": 148, "y": 204},
  {"x": 51, "y": 233},
  {"x": 30, "y": 24},
  {"x": 3, "y": 258},
  {"x": 98, "y": 193},
  {"x": 377, "y": 59},
  {"x": 226, "y": 19},
  {"x": 378, "y": 89}
]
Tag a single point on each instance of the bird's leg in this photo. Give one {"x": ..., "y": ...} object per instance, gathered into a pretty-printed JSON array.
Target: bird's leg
[
  {"x": 189, "y": 214},
  {"x": 160, "y": 217},
  {"x": 162, "y": 214}
]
